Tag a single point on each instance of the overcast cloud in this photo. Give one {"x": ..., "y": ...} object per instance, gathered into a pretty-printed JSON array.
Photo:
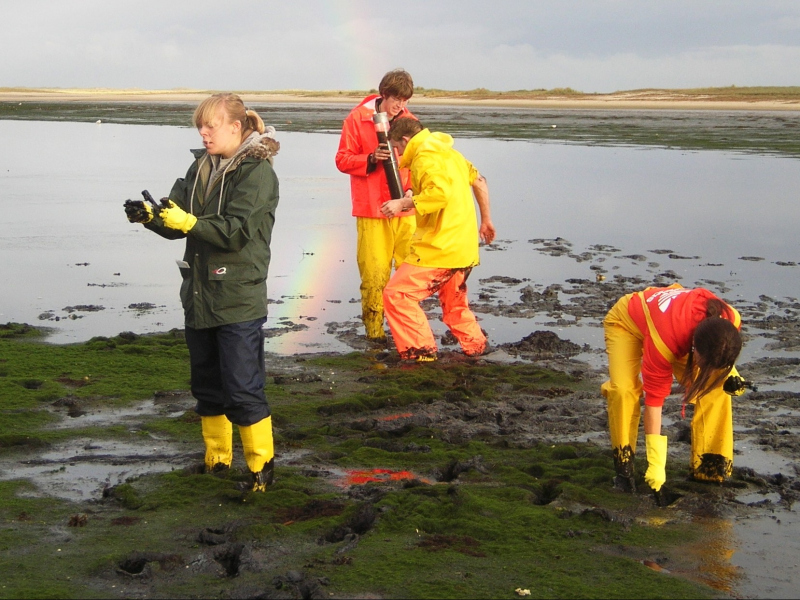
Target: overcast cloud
[{"x": 588, "y": 45}]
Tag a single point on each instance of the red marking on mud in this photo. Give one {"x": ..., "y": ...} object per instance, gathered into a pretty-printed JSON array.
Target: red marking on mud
[
  {"x": 378, "y": 475},
  {"x": 654, "y": 565},
  {"x": 395, "y": 417}
]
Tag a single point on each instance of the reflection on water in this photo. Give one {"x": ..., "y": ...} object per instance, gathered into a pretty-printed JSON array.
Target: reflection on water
[
  {"x": 713, "y": 555},
  {"x": 768, "y": 550},
  {"x": 746, "y": 557}
]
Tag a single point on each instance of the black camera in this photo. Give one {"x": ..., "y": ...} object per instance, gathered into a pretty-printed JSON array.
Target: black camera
[{"x": 137, "y": 211}]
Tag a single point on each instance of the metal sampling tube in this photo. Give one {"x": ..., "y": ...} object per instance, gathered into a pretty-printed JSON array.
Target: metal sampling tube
[{"x": 381, "y": 121}]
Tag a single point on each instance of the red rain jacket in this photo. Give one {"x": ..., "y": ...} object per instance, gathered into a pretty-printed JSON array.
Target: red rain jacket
[
  {"x": 675, "y": 312},
  {"x": 368, "y": 190}
]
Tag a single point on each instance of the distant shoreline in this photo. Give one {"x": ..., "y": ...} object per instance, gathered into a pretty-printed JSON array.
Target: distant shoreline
[{"x": 618, "y": 101}]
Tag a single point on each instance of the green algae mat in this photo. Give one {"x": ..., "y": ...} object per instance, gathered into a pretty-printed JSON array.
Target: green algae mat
[{"x": 441, "y": 480}]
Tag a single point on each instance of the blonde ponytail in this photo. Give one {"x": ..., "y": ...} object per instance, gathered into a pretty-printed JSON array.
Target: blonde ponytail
[{"x": 253, "y": 122}]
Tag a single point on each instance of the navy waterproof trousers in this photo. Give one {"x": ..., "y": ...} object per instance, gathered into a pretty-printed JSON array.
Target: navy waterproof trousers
[{"x": 228, "y": 371}]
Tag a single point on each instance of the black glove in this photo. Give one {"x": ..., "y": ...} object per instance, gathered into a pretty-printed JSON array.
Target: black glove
[
  {"x": 735, "y": 385},
  {"x": 138, "y": 211}
]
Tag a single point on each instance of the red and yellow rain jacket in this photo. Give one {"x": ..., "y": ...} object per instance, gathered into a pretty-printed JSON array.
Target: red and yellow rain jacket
[
  {"x": 368, "y": 186},
  {"x": 674, "y": 313}
]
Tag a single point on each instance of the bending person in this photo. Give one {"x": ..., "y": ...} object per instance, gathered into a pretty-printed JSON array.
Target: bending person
[
  {"x": 657, "y": 334},
  {"x": 225, "y": 210},
  {"x": 444, "y": 248}
]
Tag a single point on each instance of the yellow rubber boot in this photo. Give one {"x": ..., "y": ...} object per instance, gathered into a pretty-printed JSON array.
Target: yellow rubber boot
[
  {"x": 372, "y": 315},
  {"x": 218, "y": 438},
  {"x": 259, "y": 452}
]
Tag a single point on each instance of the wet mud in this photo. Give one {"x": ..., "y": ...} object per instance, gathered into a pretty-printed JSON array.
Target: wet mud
[
  {"x": 95, "y": 470},
  {"x": 764, "y": 483},
  {"x": 91, "y": 470},
  {"x": 764, "y": 486}
]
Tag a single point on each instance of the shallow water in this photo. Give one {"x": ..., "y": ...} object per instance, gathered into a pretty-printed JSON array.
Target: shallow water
[
  {"x": 728, "y": 218},
  {"x": 65, "y": 242}
]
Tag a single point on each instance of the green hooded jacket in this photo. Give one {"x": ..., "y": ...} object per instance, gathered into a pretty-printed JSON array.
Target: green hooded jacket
[{"x": 227, "y": 253}]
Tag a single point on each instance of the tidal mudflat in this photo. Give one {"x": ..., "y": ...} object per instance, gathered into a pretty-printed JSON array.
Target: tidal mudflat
[{"x": 581, "y": 220}]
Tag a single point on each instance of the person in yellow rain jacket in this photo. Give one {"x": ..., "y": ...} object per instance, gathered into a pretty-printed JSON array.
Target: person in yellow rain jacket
[
  {"x": 444, "y": 247},
  {"x": 658, "y": 333}
]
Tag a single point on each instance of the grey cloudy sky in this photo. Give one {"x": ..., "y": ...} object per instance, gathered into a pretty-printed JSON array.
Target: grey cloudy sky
[{"x": 588, "y": 45}]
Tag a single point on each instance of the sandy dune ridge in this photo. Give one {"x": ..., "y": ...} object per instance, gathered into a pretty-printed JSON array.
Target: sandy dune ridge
[{"x": 645, "y": 99}]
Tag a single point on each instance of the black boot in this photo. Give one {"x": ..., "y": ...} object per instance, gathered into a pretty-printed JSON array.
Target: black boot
[
  {"x": 258, "y": 482},
  {"x": 623, "y": 465},
  {"x": 264, "y": 477},
  {"x": 218, "y": 469},
  {"x": 625, "y": 483}
]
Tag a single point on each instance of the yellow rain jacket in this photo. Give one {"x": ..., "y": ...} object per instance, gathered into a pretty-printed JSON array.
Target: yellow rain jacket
[{"x": 441, "y": 181}]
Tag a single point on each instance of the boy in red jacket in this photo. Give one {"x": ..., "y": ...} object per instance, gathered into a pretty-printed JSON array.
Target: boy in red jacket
[{"x": 381, "y": 240}]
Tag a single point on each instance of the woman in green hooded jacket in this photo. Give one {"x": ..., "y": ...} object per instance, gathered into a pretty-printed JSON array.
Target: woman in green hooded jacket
[{"x": 225, "y": 210}]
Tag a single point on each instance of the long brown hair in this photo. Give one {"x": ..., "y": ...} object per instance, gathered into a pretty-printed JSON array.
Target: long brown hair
[{"x": 716, "y": 344}]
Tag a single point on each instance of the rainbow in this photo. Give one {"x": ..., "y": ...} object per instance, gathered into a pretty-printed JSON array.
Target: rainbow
[
  {"x": 360, "y": 43},
  {"x": 308, "y": 285}
]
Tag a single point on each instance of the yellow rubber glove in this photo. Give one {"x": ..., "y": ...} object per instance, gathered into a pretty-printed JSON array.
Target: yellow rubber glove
[
  {"x": 177, "y": 218},
  {"x": 656, "y": 473},
  {"x": 138, "y": 211}
]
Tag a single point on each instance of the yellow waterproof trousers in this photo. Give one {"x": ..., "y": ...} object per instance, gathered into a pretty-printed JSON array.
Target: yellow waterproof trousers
[
  {"x": 411, "y": 331},
  {"x": 712, "y": 423},
  {"x": 381, "y": 242},
  {"x": 623, "y": 390},
  {"x": 712, "y": 433}
]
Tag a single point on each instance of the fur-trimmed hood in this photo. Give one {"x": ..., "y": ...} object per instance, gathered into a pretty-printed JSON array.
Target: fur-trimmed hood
[{"x": 260, "y": 146}]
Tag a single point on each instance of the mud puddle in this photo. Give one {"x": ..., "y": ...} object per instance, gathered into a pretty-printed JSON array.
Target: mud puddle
[
  {"x": 767, "y": 549},
  {"x": 748, "y": 454},
  {"x": 78, "y": 416},
  {"x": 80, "y": 469}
]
